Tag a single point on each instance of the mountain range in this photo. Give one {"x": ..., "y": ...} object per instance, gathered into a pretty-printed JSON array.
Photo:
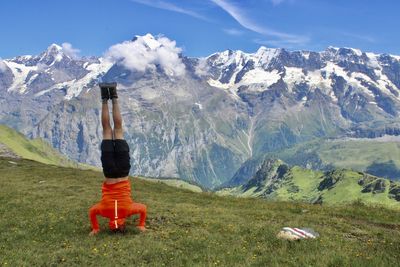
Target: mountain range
[{"x": 209, "y": 120}]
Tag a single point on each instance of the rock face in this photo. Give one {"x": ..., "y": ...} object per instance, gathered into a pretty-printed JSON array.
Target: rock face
[
  {"x": 372, "y": 184},
  {"x": 268, "y": 176},
  {"x": 330, "y": 179},
  {"x": 204, "y": 123},
  {"x": 394, "y": 191}
]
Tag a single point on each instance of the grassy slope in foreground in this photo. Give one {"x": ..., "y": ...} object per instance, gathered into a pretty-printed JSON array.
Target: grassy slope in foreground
[
  {"x": 45, "y": 222},
  {"x": 35, "y": 149}
]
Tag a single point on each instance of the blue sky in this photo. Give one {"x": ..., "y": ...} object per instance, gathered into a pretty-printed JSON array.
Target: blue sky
[{"x": 200, "y": 27}]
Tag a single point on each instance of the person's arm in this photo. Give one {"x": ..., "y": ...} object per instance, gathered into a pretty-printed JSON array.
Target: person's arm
[{"x": 93, "y": 212}]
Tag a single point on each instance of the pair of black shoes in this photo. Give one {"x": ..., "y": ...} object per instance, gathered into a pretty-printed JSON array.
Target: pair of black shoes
[{"x": 108, "y": 90}]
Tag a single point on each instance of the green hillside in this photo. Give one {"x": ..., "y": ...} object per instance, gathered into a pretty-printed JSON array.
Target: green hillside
[
  {"x": 45, "y": 223},
  {"x": 40, "y": 151},
  {"x": 35, "y": 149},
  {"x": 275, "y": 180},
  {"x": 380, "y": 156}
]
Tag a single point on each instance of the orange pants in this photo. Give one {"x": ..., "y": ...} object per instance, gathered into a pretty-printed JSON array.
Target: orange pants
[{"x": 116, "y": 204}]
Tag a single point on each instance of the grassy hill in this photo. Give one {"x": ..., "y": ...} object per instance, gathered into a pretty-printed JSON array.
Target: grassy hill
[
  {"x": 276, "y": 180},
  {"x": 15, "y": 144},
  {"x": 44, "y": 221},
  {"x": 35, "y": 149},
  {"x": 379, "y": 156}
]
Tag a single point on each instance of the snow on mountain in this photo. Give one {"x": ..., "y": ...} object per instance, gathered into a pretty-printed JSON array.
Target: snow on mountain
[
  {"x": 260, "y": 76},
  {"x": 201, "y": 118},
  {"x": 241, "y": 68},
  {"x": 264, "y": 55},
  {"x": 228, "y": 70},
  {"x": 53, "y": 68},
  {"x": 52, "y": 55},
  {"x": 74, "y": 87},
  {"x": 20, "y": 74},
  {"x": 247, "y": 69}
]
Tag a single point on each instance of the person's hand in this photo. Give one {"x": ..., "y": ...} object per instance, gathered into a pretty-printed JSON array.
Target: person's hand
[
  {"x": 94, "y": 232},
  {"x": 141, "y": 228}
]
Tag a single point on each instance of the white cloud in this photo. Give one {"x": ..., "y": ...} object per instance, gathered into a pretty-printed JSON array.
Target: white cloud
[
  {"x": 202, "y": 67},
  {"x": 146, "y": 52},
  {"x": 3, "y": 66},
  {"x": 70, "y": 51},
  {"x": 239, "y": 15},
  {"x": 234, "y": 32},
  {"x": 171, "y": 7}
]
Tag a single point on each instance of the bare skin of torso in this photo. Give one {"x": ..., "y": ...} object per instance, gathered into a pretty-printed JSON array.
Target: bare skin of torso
[{"x": 116, "y": 180}]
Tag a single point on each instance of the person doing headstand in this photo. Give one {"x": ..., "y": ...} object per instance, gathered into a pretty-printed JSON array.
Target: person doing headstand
[{"x": 116, "y": 202}]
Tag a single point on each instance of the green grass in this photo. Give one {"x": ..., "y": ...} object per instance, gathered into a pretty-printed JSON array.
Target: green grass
[
  {"x": 348, "y": 189},
  {"x": 44, "y": 222},
  {"x": 304, "y": 180}
]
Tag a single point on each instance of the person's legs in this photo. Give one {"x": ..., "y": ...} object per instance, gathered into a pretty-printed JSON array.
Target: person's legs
[
  {"x": 107, "y": 145},
  {"x": 115, "y": 150},
  {"x": 117, "y": 118},
  {"x": 105, "y": 121}
]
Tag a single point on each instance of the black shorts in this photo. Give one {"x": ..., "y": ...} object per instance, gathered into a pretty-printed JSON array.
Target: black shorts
[{"x": 115, "y": 158}]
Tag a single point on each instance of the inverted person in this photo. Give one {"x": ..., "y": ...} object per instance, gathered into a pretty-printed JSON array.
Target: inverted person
[{"x": 116, "y": 202}]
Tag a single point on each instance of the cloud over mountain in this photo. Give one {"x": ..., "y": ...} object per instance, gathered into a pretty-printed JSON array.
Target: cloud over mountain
[
  {"x": 146, "y": 52},
  {"x": 70, "y": 51},
  {"x": 3, "y": 65}
]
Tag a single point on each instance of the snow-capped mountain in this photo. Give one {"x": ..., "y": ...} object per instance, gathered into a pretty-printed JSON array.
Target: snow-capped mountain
[
  {"x": 200, "y": 118},
  {"x": 52, "y": 69}
]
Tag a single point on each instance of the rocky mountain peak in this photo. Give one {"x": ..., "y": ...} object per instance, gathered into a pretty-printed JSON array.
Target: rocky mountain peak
[
  {"x": 54, "y": 53},
  {"x": 54, "y": 49},
  {"x": 147, "y": 40},
  {"x": 264, "y": 55}
]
